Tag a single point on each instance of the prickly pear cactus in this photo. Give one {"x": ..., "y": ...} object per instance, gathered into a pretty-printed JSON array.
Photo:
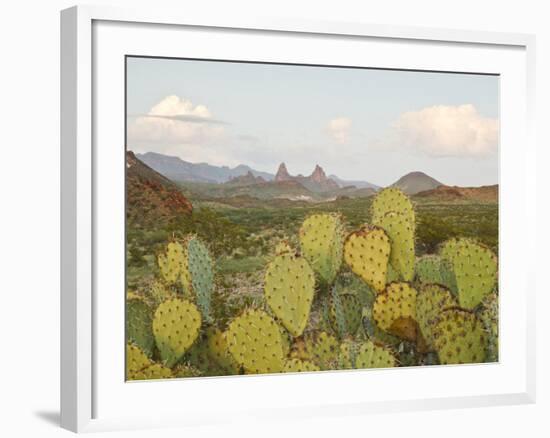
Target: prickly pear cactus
[
  {"x": 428, "y": 269},
  {"x": 391, "y": 199},
  {"x": 176, "y": 325},
  {"x": 322, "y": 349},
  {"x": 475, "y": 270},
  {"x": 299, "y": 366},
  {"x": 254, "y": 340},
  {"x": 367, "y": 253},
  {"x": 158, "y": 292},
  {"x": 344, "y": 313},
  {"x": 289, "y": 289},
  {"x": 139, "y": 324},
  {"x": 400, "y": 228},
  {"x": 321, "y": 241},
  {"x": 394, "y": 311},
  {"x": 184, "y": 370},
  {"x": 200, "y": 274},
  {"x": 211, "y": 354},
  {"x": 489, "y": 318},
  {"x": 371, "y": 355},
  {"x": 431, "y": 300},
  {"x": 459, "y": 337},
  {"x": 136, "y": 360},
  {"x": 347, "y": 354},
  {"x": 172, "y": 263},
  {"x": 139, "y": 367}
]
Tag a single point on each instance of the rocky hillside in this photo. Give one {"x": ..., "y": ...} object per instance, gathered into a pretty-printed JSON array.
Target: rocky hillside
[{"x": 151, "y": 197}]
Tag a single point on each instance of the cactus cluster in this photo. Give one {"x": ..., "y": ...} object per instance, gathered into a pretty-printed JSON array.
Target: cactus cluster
[{"x": 334, "y": 297}]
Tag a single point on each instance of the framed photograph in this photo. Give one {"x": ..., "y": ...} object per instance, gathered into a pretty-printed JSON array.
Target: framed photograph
[{"x": 256, "y": 208}]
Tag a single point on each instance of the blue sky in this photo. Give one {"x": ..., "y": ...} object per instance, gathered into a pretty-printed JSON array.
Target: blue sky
[{"x": 373, "y": 125}]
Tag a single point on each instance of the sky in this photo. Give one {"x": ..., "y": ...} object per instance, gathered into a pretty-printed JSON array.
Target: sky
[{"x": 359, "y": 124}]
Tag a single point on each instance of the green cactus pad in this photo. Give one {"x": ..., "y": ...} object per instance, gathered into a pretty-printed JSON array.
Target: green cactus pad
[
  {"x": 254, "y": 340},
  {"x": 428, "y": 269},
  {"x": 347, "y": 354},
  {"x": 299, "y": 366},
  {"x": 136, "y": 360},
  {"x": 159, "y": 292},
  {"x": 391, "y": 199},
  {"x": 289, "y": 289},
  {"x": 371, "y": 355},
  {"x": 489, "y": 318},
  {"x": 140, "y": 367},
  {"x": 345, "y": 313},
  {"x": 431, "y": 300},
  {"x": 139, "y": 324},
  {"x": 459, "y": 337},
  {"x": 367, "y": 253},
  {"x": 322, "y": 349},
  {"x": 394, "y": 311},
  {"x": 176, "y": 325},
  {"x": 172, "y": 262},
  {"x": 475, "y": 269},
  {"x": 321, "y": 241},
  {"x": 400, "y": 230},
  {"x": 211, "y": 354},
  {"x": 200, "y": 275},
  {"x": 155, "y": 371}
]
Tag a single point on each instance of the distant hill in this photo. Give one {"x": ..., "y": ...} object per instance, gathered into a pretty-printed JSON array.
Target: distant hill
[
  {"x": 150, "y": 196},
  {"x": 179, "y": 170},
  {"x": 358, "y": 184},
  {"x": 245, "y": 180},
  {"x": 416, "y": 182},
  {"x": 454, "y": 193},
  {"x": 317, "y": 182}
]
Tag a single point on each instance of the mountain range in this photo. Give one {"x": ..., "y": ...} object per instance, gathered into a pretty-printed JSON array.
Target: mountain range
[{"x": 179, "y": 170}]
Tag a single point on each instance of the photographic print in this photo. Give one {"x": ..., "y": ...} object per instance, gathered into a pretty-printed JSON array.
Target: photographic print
[{"x": 302, "y": 218}]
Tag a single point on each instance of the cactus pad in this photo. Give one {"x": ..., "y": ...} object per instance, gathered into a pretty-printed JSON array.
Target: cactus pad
[
  {"x": 371, "y": 355},
  {"x": 475, "y": 270},
  {"x": 459, "y": 337},
  {"x": 254, "y": 340},
  {"x": 367, "y": 253},
  {"x": 322, "y": 349},
  {"x": 345, "y": 313},
  {"x": 176, "y": 325},
  {"x": 139, "y": 367},
  {"x": 299, "y": 366},
  {"x": 489, "y": 318},
  {"x": 211, "y": 354},
  {"x": 391, "y": 199},
  {"x": 395, "y": 310},
  {"x": 400, "y": 230},
  {"x": 430, "y": 302},
  {"x": 428, "y": 269},
  {"x": 200, "y": 275},
  {"x": 321, "y": 241},
  {"x": 139, "y": 324},
  {"x": 172, "y": 262},
  {"x": 289, "y": 289}
]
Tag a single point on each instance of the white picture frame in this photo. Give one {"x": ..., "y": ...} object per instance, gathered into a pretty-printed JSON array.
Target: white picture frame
[{"x": 86, "y": 70}]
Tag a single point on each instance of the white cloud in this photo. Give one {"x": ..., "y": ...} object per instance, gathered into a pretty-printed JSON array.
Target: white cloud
[
  {"x": 174, "y": 120},
  {"x": 339, "y": 129},
  {"x": 446, "y": 131}
]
